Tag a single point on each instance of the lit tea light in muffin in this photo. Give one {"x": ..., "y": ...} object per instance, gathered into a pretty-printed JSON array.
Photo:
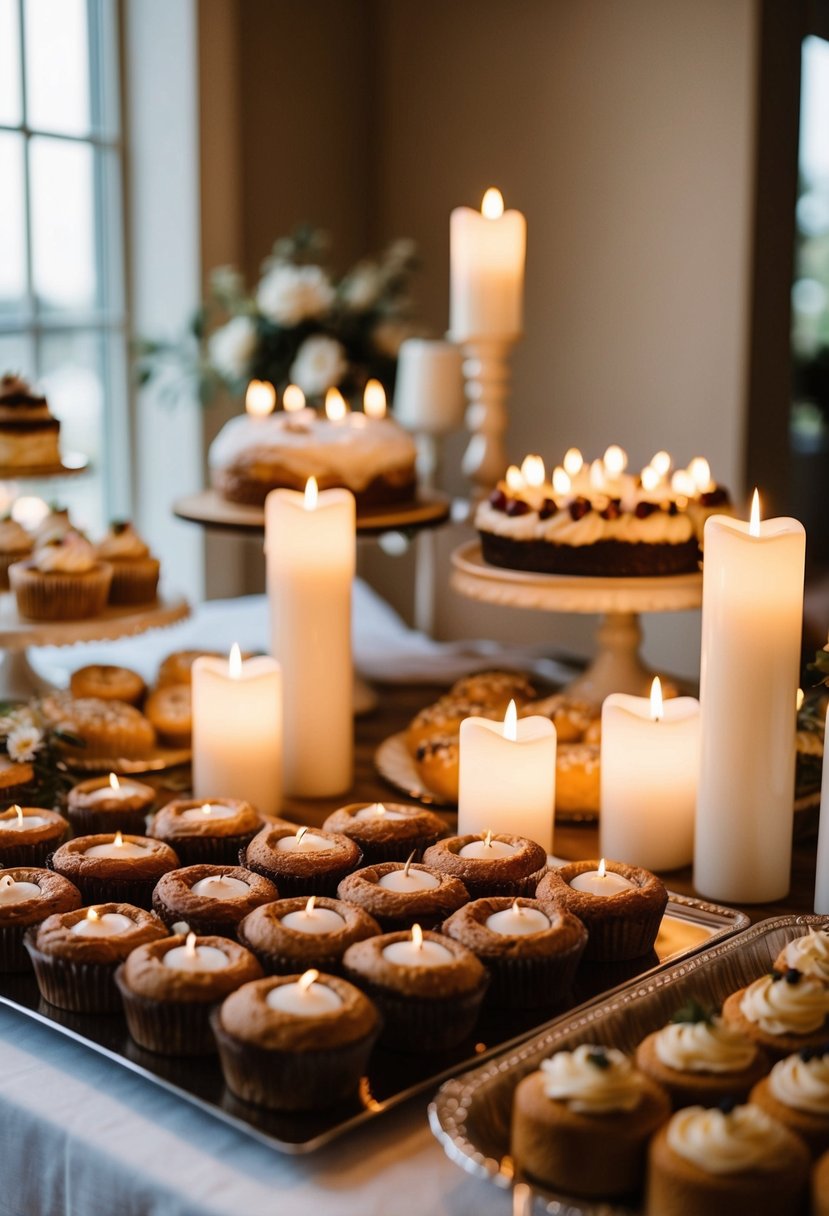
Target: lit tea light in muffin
[
  {"x": 12, "y": 892},
  {"x": 335, "y": 405},
  {"x": 417, "y": 951},
  {"x": 113, "y": 790},
  {"x": 573, "y": 462},
  {"x": 378, "y": 811},
  {"x": 601, "y": 881},
  {"x": 312, "y": 919},
  {"x": 408, "y": 879},
  {"x": 207, "y": 810},
  {"x": 191, "y": 957},
  {"x": 518, "y": 921},
  {"x": 533, "y": 472},
  {"x": 303, "y": 842},
  {"x": 18, "y": 822},
  {"x": 107, "y": 924},
  {"x": 117, "y": 849},
  {"x": 305, "y": 997},
  {"x": 293, "y": 399},
  {"x": 221, "y": 886},
  {"x": 374, "y": 400},
  {"x": 486, "y": 848},
  {"x": 260, "y": 399}
]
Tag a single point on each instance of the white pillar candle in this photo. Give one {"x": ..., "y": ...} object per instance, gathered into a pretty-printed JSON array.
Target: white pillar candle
[
  {"x": 305, "y": 998},
  {"x": 822, "y": 870},
  {"x": 649, "y": 772},
  {"x": 518, "y": 921},
  {"x": 487, "y": 251},
  {"x": 12, "y": 892},
  {"x": 207, "y": 810},
  {"x": 417, "y": 952},
  {"x": 508, "y": 777},
  {"x": 312, "y": 919},
  {"x": 601, "y": 881},
  {"x": 117, "y": 849},
  {"x": 428, "y": 390},
  {"x": 223, "y": 886},
  {"x": 237, "y": 730},
  {"x": 303, "y": 842},
  {"x": 486, "y": 849},
  {"x": 310, "y": 548},
  {"x": 191, "y": 957},
  {"x": 752, "y": 611},
  {"x": 106, "y": 924}
]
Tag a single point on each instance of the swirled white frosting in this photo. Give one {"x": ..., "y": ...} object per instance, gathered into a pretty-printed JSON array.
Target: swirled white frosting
[
  {"x": 590, "y": 1088},
  {"x": 810, "y": 954},
  {"x": 560, "y": 528},
  {"x": 718, "y": 1143},
  {"x": 778, "y": 1007},
  {"x": 704, "y": 1047},
  {"x": 69, "y": 555},
  {"x": 803, "y": 1084},
  {"x": 122, "y": 542}
]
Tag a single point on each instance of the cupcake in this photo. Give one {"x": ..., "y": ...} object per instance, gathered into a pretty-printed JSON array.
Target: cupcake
[
  {"x": 75, "y": 954},
  {"x": 387, "y": 831},
  {"x": 207, "y": 832},
  {"x": 428, "y": 988},
  {"x": 724, "y": 1162},
  {"x": 295, "y": 1042},
  {"x": 700, "y": 1059},
  {"x": 293, "y": 935},
  {"x": 134, "y": 569},
  {"x": 398, "y": 895},
  {"x": 169, "y": 987},
  {"x": 530, "y": 952},
  {"x": 622, "y": 906},
  {"x": 107, "y": 682},
  {"x": 55, "y": 523},
  {"x": 303, "y": 861},
  {"x": 212, "y": 900},
  {"x": 796, "y": 1093},
  {"x": 170, "y": 710},
  {"x": 109, "y": 804},
  {"x": 27, "y": 896},
  {"x": 820, "y": 1187},
  {"x": 783, "y": 1012},
  {"x": 490, "y": 865},
  {"x": 109, "y": 729},
  {"x": 582, "y": 1122},
  {"x": 15, "y": 546},
  {"x": 28, "y": 834},
  {"x": 809, "y": 954},
  {"x": 114, "y": 868},
  {"x": 62, "y": 581}
]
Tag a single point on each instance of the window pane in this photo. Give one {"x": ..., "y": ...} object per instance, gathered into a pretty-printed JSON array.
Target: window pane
[
  {"x": 16, "y": 355},
  {"x": 12, "y": 223},
  {"x": 10, "y": 110},
  {"x": 57, "y": 65},
  {"x": 63, "y": 239}
]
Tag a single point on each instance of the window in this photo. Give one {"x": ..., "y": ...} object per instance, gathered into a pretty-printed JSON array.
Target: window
[{"x": 62, "y": 320}]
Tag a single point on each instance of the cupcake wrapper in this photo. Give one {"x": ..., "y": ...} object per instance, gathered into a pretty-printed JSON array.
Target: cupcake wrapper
[
  {"x": 169, "y": 1028},
  {"x": 63, "y": 597},
  {"x": 291, "y": 1080},
  {"x": 86, "y": 821},
  {"x": 13, "y": 954},
  {"x": 78, "y": 987},
  {"x": 134, "y": 582},
  {"x": 395, "y": 924},
  {"x": 531, "y": 983},
  {"x": 137, "y": 891},
  {"x": 519, "y": 886},
  {"x": 614, "y": 941},
  {"x": 34, "y": 855},
  {"x": 279, "y": 964},
  {"x": 376, "y": 854},
  {"x": 210, "y": 850},
  {"x": 413, "y": 1024},
  {"x": 6, "y": 560},
  {"x": 290, "y": 885},
  {"x": 202, "y": 925}
]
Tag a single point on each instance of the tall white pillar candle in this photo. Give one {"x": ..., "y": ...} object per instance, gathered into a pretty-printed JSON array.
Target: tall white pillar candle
[
  {"x": 237, "y": 730},
  {"x": 752, "y": 609},
  {"x": 649, "y": 770},
  {"x": 508, "y": 777},
  {"x": 822, "y": 871},
  {"x": 310, "y": 547},
  {"x": 428, "y": 391},
  {"x": 487, "y": 250}
]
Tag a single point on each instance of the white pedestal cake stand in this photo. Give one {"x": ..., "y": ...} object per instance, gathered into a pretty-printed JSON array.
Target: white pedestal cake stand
[{"x": 617, "y": 666}]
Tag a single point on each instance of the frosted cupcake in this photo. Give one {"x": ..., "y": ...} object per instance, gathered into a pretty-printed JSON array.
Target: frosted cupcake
[
  {"x": 15, "y": 545},
  {"x": 783, "y": 1012},
  {"x": 796, "y": 1092},
  {"x": 809, "y": 954},
  {"x": 134, "y": 569},
  {"x": 63, "y": 581}
]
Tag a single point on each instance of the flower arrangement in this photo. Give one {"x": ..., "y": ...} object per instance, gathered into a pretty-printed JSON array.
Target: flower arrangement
[
  {"x": 299, "y": 325},
  {"x": 29, "y": 744}
]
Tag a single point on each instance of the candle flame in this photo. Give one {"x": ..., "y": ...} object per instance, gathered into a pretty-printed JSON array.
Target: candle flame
[
  {"x": 649, "y": 478},
  {"x": 597, "y": 475},
  {"x": 798, "y": 701},
  {"x": 409, "y": 861},
  {"x": 488, "y": 839},
  {"x": 561, "y": 481},
  {"x": 114, "y": 783},
  {"x": 92, "y": 914},
  {"x": 511, "y": 723},
  {"x": 533, "y": 471},
  {"x": 234, "y": 662},
  {"x": 307, "y": 979},
  {"x": 661, "y": 462},
  {"x": 311, "y": 494},
  {"x": 683, "y": 483},
  {"x": 378, "y": 808},
  {"x": 656, "y": 700},
  {"x": 190, "y": 945},
  {"x": 754, "y": 520},
  {"x": 374, "y": 400},
  {"x": 335, "y": 406},
  {"x": 260, "y": 399},
  {"x": 700, "y": 471},
  {"x": 6, "y": 882},
  {"x": 299, "y": 836},
  {"x": 18, "y": 810},
  {"x": 602, "y": 868},
  {"x": 309, "y": 907},
  {"x": 206, "y": 808},
  {"x": 615, "y": 460},
  {"x": 293, "y": 399},
  {"x": 417, "y": 937},
  {"x": 516, "y": 907},
  {"x": 492, "y": 204},
  {"x": 573, "y": 462},
  {"x": 118, "y": 842},
  {"x": 514, "y": 479}
]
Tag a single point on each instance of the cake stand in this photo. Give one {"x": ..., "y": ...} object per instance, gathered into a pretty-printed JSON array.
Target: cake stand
[
  {"x": 70, "y": 465},
  {"x": 617, "y": 665}
]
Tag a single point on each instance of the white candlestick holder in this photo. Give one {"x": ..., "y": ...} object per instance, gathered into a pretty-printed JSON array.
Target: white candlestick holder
[{"x": 487, "y": 377}]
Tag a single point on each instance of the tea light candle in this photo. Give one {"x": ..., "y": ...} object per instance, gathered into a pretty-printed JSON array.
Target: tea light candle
[
  {"x": 312, "y": 919},
  {"x": 518, "y": 921},
  {"x": 486, "y": 848},
  {"x": 223, "y": 886},
  {"x": 208, "y": 810},
  {"x": 118, "y": 848},
  {"x": 114, "y": 791},
  {"x": 418, "y": 953},
  {"x": 303, "y": 842},
  {"x": 191, "y": 957},
  {"x": 408, "y": 879},
  {"x": 305, "y": 998},
  {"x": 378, "y": 811},
  {"x": 12, "y": 892},
  {"x": 487, "y": 254},
  {"x": 601, "y": 881},
  {"x": 21, "y": 822},
  {"x": 108, "y": 924}
]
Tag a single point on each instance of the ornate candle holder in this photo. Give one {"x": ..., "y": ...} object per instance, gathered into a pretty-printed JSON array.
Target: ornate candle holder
[{"x": 487, "y": 378}]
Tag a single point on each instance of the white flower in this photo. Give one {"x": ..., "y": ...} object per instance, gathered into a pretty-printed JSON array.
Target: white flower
[
  {"x": 320, "y": 363},
  {"x": 232, "y": 347},
  {"x": 23, "y": 742},
  {"x": 14, "y": 718},
  {"x": 289, "y": 294},
  {"x": 362, "y": 286}
]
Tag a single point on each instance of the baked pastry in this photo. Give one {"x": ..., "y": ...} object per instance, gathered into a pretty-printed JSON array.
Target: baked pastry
[
  {"x": 114, "y": 868},
  {"x": 29, "y": 434},
  {"x": 170, "y": 711},
  {"x": 75, "y": 954},
  {"x": 438, "y": 765},
  {"x": 570, "y": 717},
  {"x": 212, "y": 900},
  {"x": 700, "y": 1059},
  {"x": 109, "y": 729},
  {"x": 302, "y": 861},
  {"x": 427, "y": 1006},
  {"x": 496, "y": 688},
  {"x": 622, "y": 925},
  {"x": 809, "y": 954},
  {"x": 784, "y": 1012},
  {"x": 387, "y": 831},
  {"x": 15, "y": 545},
  {"x": 134, "y": 569},
  {"x": 445, "y": 717},
  {"x": 108, "y": 683},
  {"x": 582, "y": 1122},
  {"x": 291, "y": 935},
  {"x": 820, "y": 1187},
  {"x": 515, "y": 867},
  {"x": 62, "y": 581},
  {"x": 109, "y": 804},
  {"x": 169, "y": 987},
  {"x": 177, "y": 668},
  {"x": 530, "y": 952},
  {"x": 578, "y": 779},
  {"x": 303, "y": 1049},
  {"x": 796, "y": 1092},
  {"x": 398, "y": 895},
  {"x": 206, "y": 832},
  {"x": 27, "y": 896},
  {"x": 28, "y": 834},
  {"x": 726, "y": 1162}
]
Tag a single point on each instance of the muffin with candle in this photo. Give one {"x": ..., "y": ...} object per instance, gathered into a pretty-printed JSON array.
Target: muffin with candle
[
  {"x": 582, "y": 1122},
  {"x": 295, "y": 1042},
  {"x": 103, "y": 727},
  {"x": 302, "y": 861},
  {"x": 15, "y": 545},
  {"x": 28, "y": 834},
  {"x": 783, "y": 1011},
  {"x": 400, "y": 894},
  {"x": 210, "y": 832},
  {"x": 387, "y": 831},
  {"x": 212, "y": 900},
  {"x": 796, "y": 1092},
  {"x": 809, "y": 954},
  {"x": 429, "y": 988},
  {"x": 28, "y": 895},
  {"x": 107, "y": 682},
  {"x": 76, "y": 954},
  {"x": 62, "y": 581},
  {"x": 700, "y": 1060},
  {"x": 292, "y": 935},
  {"x": 170, "y": 986},
  {"x": 134, "y": 569},
  {"x": 170, "y": 710},
  {"x": 119, "y": 868},
  {"x": 622, "y": 906},
  {"x": 490, "y": 865},
  {"x": 531, "y": 952},
  {"x": 109, "y": 804}
]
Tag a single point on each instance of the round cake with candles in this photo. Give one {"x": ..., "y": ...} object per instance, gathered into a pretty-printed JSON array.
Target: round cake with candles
[
  {"x": 387, "y": 831},
  {"x": 28, "y": 896},
  {"x": 302, "y": 861},
  {"x": 363, "y": 451},
  {"x": 117, "y": 867},
  {"x": 212, "y": 900},
  {"x": 598, "y": 519},
  {"x": 212, "y": 832},
  {"x": 109, "y": 804},
  {"x": 292, "y": 935},
  {"x": 398, "y": 895},
  {"x": 29, "y": 834}
]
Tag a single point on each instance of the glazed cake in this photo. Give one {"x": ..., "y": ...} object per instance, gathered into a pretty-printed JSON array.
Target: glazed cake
[
  {"x": 29, "y": 435},
  {"x": 599, "y": 520}
]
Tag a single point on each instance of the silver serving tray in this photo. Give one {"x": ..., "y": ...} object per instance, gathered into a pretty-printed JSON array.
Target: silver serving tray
[{"x": 470, "y": 1114}]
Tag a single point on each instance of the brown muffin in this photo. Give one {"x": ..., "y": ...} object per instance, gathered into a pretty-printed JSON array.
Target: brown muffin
[
  {"x": 387, "y": 831},
  {"x": 203, "y": 838},
  {"x": 19, "y": 909},
  {"x": 107, "y": 683},
  {"x": 306, "y": 869},
  {"x": 620, "y": 926},
  {"x": 109, "y": 804},
  {"x": 820, "y": 1187},
  {"x": 134, "y": 570},
  {"x": 30, "y": 845},
  {"x": 783, "y": 1012},
  {"x": 283, "y": 949},
  {"x": 105, "y": 728},
  {"x": 127, "y": 879},
  {"x": 170, "y": 710},
  {"x": 46, "y": 595},
  {"x": 215, "y": 913},
  {"x": 177, "y": 668},
  {"x": 394, "y": 910},
  {"x": 516, "y": 874},
  {"x": 796, "y": 1093},
  {"x": 15, "y": 545}
]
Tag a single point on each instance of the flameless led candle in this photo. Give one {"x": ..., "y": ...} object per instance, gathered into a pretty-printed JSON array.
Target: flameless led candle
[
  {"x": 191, "y": 957},
  {"x": 305, "y": 998},
  {"x": 312, "y": 919},
  {"x": 12, "y": 892},
  {"x": 106, "y": 924},
  {"x": 117, "y": 849},
  {"x": 417, "y": 952},
  {"x": 601, "y": 881},
  {"x": 487, "y": 250}
]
